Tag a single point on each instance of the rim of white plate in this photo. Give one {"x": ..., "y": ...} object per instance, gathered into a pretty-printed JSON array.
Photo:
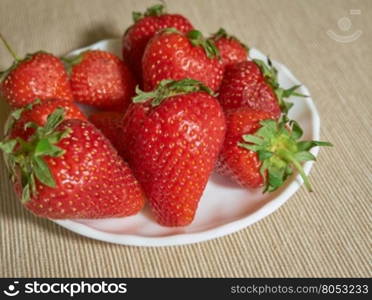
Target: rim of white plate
[{"x": 222, "y": 230}]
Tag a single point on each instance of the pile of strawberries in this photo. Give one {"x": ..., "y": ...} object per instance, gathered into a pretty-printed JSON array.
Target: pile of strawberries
[{"x": 177, "y": 107}]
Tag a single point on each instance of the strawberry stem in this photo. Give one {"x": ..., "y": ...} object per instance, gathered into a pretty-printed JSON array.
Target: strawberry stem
[
  {"x": 289, "y": 157},
  {"x": 278, "y": 149},
  {"x": 9, "y": 48}
]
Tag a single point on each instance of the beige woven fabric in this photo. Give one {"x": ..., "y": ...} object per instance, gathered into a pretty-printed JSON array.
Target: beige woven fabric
[{"x": 325, "y": 233}]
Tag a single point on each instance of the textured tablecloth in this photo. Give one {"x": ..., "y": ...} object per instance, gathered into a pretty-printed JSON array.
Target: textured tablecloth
[{"x": 325, "y": 233}]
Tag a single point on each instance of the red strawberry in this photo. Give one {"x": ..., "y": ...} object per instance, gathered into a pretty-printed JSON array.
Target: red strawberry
[
  {"x": 173, "y": 140},
  {"x": 144, "y": 28},
  {"x": 68, "y": 169},
  {"x": 111, "y": 126},
  {"x": 231, "y": 49},
  {"x": 260, "y": 150},
  {"x": 254, "y": 84},
  {"x": 39, "y": 75},
  {"x": 235, "y": 161},
  {"x": 174, "y": 55},
  {"x": 101, "y": 79},
  {"x": 38, "y": 112}
]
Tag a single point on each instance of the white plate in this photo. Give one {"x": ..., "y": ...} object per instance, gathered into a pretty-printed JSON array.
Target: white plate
[{"x": 224, "y": 207}]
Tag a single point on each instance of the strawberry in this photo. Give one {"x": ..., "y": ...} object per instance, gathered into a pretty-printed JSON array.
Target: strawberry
[
  {"x": 68, "y": 169},
  {"x": 144, "y": 28},
  {"x": 38, "y": 112},
  {"x": 101, "y": 79},
  {"x": 173, "y": 136},
  {"x": 258, "y": 149},
  {"x": 39, "y": 75},
  {"x": 254, "y": 84},
  {"x": 173, "y": 55},
  {"x": 231, "y": 49},
  {"x": 111, "y": 126}
]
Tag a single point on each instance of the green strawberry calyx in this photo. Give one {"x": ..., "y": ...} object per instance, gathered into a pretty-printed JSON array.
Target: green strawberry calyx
[
  {"x": 280, "y": 151},
  {"x": 222, "y": 33},
  {"x": 17, "y": 60},
  {"x": 196, "y": 38},
  {"x": 168, "y": 88},
  {"x": 16, "y": 114},
  {"x": 72, "y": 61},
  {"x": 153, "y": 11},
  {"x": 25, "y": 158},
  {"x": 271, "y": 77},
  {"x": 4, "y": 74}
]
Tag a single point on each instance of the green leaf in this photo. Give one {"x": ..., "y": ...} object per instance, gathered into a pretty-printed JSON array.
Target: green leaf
[
  {"x": 56, "y": 136},
  {"x": 168, "y": 88},
  {"x": 292, "y": 92},
  {"x": 26, "y": 195},
  {"x": 251, "y": 147},
  {"x": 262, "y": 154},
  {"x": 143, "y": 96},
  {"x": 253, "y": 139},
  {"x": 54, "y": 119},
  {"x": 8, "y": 146},
  {"x": 136, "y": 16},
  {"x": 32, "y": 104},
  {"x": 44, "y": 147},
  {"x": 297, "y": 131},
  {"x": 16, "y": 115},
  {"x": 30, "y": 125},
  {"x": 307, "y": 145},
  {"x": 285, "y": 106},
  {"x": 264, "y": 166},
  {"x": 288, "y": 171},
  {"x": 156, "y": 10},
  {"x": 275, "y": 178},
  {"x": 268, "y": 129},
  {"x": 304, "y": 156},
  {"x": 42, "y": 172},
  {"x": 267, "y": 71},
  {"x": 32, "y": 184},
  {"x": 197, "y": 39},
  {"x": 211, "y": 49}
]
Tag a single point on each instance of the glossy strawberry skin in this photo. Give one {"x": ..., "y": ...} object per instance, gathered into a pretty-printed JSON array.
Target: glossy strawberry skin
[
  {"x": 231, "y": 51},
  {"x": 92, "y": 181},
  {"x": 41, "y": 75},
  {"x": 111, "y": 126},
  {"x": 136, "y": 37},
  {"x": 102, "y": 80},
  {"x": 172, "y": 150},
  {"x": 172, "y": 56},
  {"x": 244, "y": 85},
  {"x": 238, "y": 163}
]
